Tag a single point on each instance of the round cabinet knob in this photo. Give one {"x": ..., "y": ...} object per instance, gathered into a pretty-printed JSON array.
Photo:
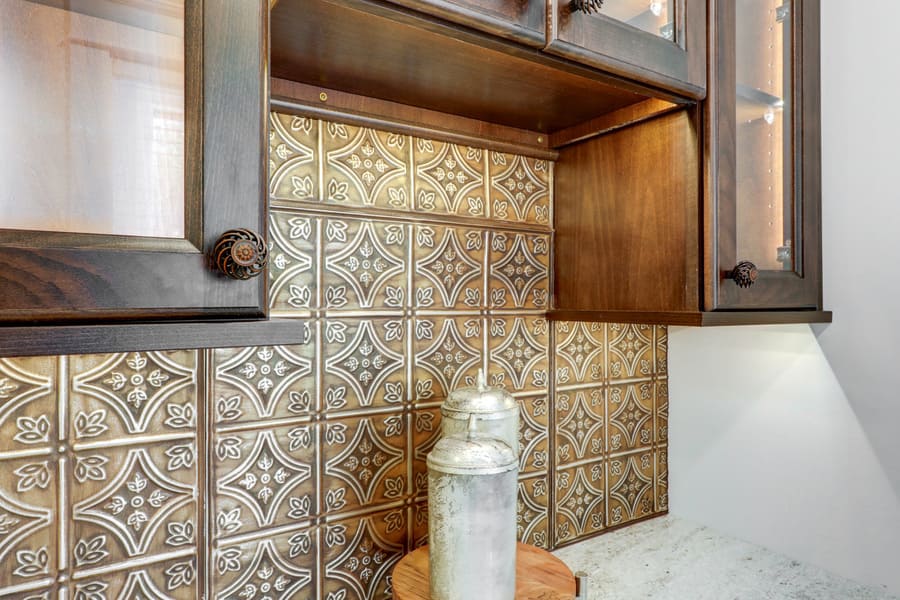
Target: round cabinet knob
[
  {"x": 744, "y": 274},
  {"x": 585, "y": 6},
  {"x": 240, "y": 253}
]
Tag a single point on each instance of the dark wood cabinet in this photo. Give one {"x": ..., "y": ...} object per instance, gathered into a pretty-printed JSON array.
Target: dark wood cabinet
[
  {"x": 135, "y": 138},
  {"x": 522, "y": 21},
  {"x": 661, "y": 42}
]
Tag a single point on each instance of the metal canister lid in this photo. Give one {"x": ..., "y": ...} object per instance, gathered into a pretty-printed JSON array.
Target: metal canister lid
[
  {"x": 472, "y": 454},
  {"x": 480, "y": 399}
]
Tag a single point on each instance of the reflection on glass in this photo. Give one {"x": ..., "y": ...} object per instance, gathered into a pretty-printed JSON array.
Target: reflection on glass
[
  {"x": 764, "y": 138},
  {"x": 655, "y": 16},
  {"x": 92, "y": 115}
]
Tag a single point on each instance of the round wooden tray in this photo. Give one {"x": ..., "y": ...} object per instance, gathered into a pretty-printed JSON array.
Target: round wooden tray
[{"x": 539, "y": 576}]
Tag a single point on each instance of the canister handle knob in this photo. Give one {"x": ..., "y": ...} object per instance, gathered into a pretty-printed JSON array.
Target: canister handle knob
[
  {"x": 480, "y": 382},
  {"x": 470, "y": 430}
]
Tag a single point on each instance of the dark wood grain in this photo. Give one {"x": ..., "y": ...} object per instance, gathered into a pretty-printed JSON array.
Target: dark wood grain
[
  {"x": 127, "y": 337},
  {"x": 518, "y": 20},
  {"x": 618, "y": 48},
  {"x": 630, "y": 115},
  {"x": 800, "y": 287},
  {"x": 368, "y": 49},
  {"x": 75, "y": 277},
  {"x": 627, "y": 219},
  {"x": 695, "y": 318}
]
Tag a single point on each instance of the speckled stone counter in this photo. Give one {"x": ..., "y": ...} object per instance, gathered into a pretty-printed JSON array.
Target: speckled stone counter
[{"x": 672, "y": 559}]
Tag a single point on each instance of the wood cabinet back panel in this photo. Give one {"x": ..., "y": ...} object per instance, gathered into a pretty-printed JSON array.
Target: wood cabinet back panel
[{"x": 519, "y": 20}]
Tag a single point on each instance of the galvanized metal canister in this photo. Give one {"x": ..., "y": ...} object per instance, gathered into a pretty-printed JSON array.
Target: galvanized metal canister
[
  {"x": 496, "y": 409},
  {"x": 472, "y": 488}
]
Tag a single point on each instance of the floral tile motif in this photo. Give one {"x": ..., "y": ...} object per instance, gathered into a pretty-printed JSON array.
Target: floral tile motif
[
  {"x": 580, "y": 425},
  {"x": 630, "y": 351},
  {"x": 661, "y": 414},
  {"x": 115, "y": 395},
  {"x": 174, "y": 578},
  {"x": 28, "y": 398},
  {"x": 534, "y": 441},
  {"x": 254, "y": 383},
  {"x": 363, "y": 462},
  {"x": 293, "y": 172},
  {"x": 418, "y": 536},
  {"x": 448, "y": 353},
  {"x": 365, "y": 167},
  {"x": 532, "y": 511},
  {"x": 448, "y": 268},
  {"x": 359, "y": 554},
  {"x": 365, "y": 264},
  {"x": 661, "y": 333},
  {"x": 28, "y": 521},
  {"x": 133, "y": 502},
  {"x": 425, "y": 432},
  {"x": 630, "y": 487},
  {"x": 264, "y": 478},
  {"x": 277, "y": 566},
  {"x": 520, "y": 271},
  {"x": 519, "y": 349},
  {"x": 631, "y": 420},
  {"x": 364, "y": 363},
  {"x": 449, "y": 178},
  {"x": 520, "y": 189},
  {"x": 662, "y": 479},
  {"x": 580, "y": 501},
  {"x": 292, "y": 264},
  {"x": 580, "y": 353}
]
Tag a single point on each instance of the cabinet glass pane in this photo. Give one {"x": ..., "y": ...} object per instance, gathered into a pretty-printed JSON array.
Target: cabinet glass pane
[
  {"x": 92, "y": 115},
  {"x": 765, "y": 209},
  {"x": 655, "y": 16}
]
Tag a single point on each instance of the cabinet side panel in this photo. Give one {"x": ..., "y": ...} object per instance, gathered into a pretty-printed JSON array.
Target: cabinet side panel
[{"x": 627, "y": 221}]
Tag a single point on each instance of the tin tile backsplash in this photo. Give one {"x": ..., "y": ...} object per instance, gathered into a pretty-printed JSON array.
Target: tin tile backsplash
[{"x": 299, "y": 471}]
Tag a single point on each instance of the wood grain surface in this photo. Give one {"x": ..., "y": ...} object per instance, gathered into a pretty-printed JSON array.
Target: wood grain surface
[{"x": 539, "y": 576}]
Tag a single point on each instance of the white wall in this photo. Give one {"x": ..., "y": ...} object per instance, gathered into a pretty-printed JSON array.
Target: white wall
[{"x": 789, "y": 436}]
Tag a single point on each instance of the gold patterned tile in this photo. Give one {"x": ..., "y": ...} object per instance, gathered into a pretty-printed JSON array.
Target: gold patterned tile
[
  {"x": 532, "y": 513},
  {"x": 580, "y": 501},
  {"x": 178, "y": 577},
  {"x": 425, "y": 431},
  {"x": 580, "y": 353},
  {"x": 661, "y": 412},
  {"x": 28, "y": 399},
  {"x": 359, "y": 554},
  {"x": 277, "y": 566},
  {"x": 662, "y": 479},
  {"x": 580, "y": 425},
  {"x": 449, "y": 178},
  {"x": 293, "y": 263},
  {"x": 133, "y": 502},
  {"x": 418, "y": 536},
  {"x": 293, "y": 168},
  {"x": 264, "y": 478},
  {"x": 519, "y": 271},
  {"x": 519, "y": 349},
  {"x": 365, "y": 264},
  {"x": 520, "y": 189},
  {"x": 366, "y": 167},
  {"x": 661, "y": 333},
  {"x": 630, "y": 416},
  {"x": 29, "y": 522},
  {"x": 365, "y": 363},
  {"x": 363, "y": 462},
  {"x": 629, "y": 351},
  {"x": 262, "y": 382},
  {"x": 449, "y": 267},
  {"x": 534, "y": 439},
  {"x": 630, "y": 494},
  {"x": 134, "y": 393},
  {"x": 448, "y": 353}
]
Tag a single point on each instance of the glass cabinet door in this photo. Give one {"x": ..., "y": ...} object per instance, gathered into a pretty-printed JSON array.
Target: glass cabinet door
[
  {"x": 134, "y": 137},
  {"x": 767, "y": 123}
]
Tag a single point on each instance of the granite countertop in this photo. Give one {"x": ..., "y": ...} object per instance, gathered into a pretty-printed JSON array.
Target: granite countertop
[{"x": 672, "y": 559}]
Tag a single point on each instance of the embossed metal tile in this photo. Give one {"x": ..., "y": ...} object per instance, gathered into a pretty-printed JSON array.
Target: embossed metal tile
[
  {"x": 449, "y": 267},
  {"x": 448, "y": 353},
  {"x": 365, "y": 167},
  {"x": 519, "y": 353},
  {"x": 630, "y": 487},
  {"x": 630, "y": 416},
  {"x": 293, "y": 262},
  {"x": 580, "y": 501},
  {"x": 449, "y": 179},
  {"x": 293, "y": 162},
  {"x": 580, "y": 425},
  {"x": 580, "y": 353},
  {"x": 630, "y": 351},
  {"x": 520, "y": 189},
  {"x": 532, "y": 517},
  {"x": 534, "y": 425},
  {"x": 519, "y": 271}
]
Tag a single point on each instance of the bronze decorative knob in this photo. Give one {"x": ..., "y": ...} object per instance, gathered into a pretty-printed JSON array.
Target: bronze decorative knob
[
  {"x": 240, "y": 253},
  {"x": 585, "y": 6},
  {"x": 744, "y": 274}
]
